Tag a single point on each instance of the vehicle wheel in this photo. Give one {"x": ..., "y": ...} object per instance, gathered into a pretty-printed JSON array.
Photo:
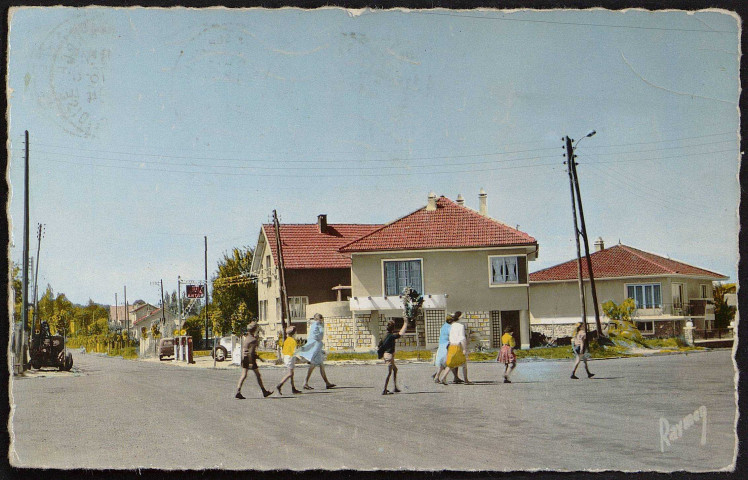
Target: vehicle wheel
[
  {"x": 220, "y": 353},
  {"x": 35, "y": 365},
  {"x": 68, "y": 362}
]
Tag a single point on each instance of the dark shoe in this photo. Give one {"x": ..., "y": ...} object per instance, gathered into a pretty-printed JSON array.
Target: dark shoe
[
  {"x": 574, "y": 377},
  {"x": 307, "y": 387},
  {"x": 506, "y": 380},
  {"x": 458, "y": 380},
  {"x": 468, "y": 382},
  {"x": 239, "y": 396},
  {"x": 332, "y": 385},
  {"x": 590, "y": 375},
  {"x": 267, "y": 393},
  {"x": 295, "y": 391},
  {"x": 278, "y": 387},
  {"x": 396, "y": 390},
  {"x": 385, "y": 392}
]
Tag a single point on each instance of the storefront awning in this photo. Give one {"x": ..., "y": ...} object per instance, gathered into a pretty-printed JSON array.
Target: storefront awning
[{"x": 430, "y": 301}]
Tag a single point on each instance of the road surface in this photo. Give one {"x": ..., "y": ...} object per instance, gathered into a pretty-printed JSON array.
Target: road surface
[{"x": 125, "y": 414}]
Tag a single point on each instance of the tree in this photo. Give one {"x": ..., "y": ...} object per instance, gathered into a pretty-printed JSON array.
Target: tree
[
  {"x": 623, "y": 312},
  {"x": 232, "y": 288},
  {"x": 17, "y": 285},
  {"x": 194, "y": 326},
  {"x": 723, "y": 313}
]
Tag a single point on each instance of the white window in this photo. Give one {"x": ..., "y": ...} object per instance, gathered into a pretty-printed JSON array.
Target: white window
[
  {"x": 278, "y": 309},
  {"x": 297, "y": 307},
  {"x": 677, "y": 295},
  {"x": 646, "y": 295},
  {"x": 263, "y": 310},
  {"x": 399, "y": 274},
  {"x": 268, "y": 275},
  {"x": 507, "y": 270}
]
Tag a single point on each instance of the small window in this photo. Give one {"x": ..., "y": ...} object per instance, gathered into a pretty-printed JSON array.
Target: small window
[
  {"x": 704, "y": 290},
  {"x": 399, "y": 324},
  {"x": 507, "y": 270},
  {"x": 297, "y": 307},
  {"x": 645, "y": 327}
]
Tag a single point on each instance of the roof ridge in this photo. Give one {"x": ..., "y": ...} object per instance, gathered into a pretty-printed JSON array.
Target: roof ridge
[
  {"x": 378, "y": 229},
  {"x": 635, "y": 251}
]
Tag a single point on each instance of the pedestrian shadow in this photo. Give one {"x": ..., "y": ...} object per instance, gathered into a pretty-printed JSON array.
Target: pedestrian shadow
[
  {"x": 315, "y": 392},
  {"x": 416, "y": 393},
  {"x": 343, "y": 388},
  {"x": 527, "y": 381},
  {"x": 605, "y": 378}
]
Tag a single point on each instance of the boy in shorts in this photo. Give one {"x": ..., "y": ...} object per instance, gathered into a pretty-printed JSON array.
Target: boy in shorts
[
  {"x": 289, "y": 360},
  {"x": 249, "y": 360}
]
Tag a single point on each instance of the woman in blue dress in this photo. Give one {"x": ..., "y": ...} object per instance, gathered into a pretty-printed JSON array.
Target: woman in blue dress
[
  {"x": 441, "y": 352},
  {"x": 313, "y": 351}
]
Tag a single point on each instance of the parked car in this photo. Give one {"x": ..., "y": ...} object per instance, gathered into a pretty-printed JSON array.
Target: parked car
[
  {"x": 165, "y": 348},
  {"x": 224, "y": 346}
]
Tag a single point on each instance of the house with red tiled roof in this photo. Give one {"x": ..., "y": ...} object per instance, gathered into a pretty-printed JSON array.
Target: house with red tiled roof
[
  {"x": 316, "y": 272},
  {"x": 668, "y": 293},
  {"x": 166, "y": 322},
  {"x": 458, "y": 259}
]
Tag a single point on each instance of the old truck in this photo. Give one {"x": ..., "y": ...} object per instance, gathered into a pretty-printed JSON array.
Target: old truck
[{"x": 49, "y": 350}]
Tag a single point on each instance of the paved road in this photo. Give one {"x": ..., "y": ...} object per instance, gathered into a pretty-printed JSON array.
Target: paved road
[{"x": 105, "y": 414}]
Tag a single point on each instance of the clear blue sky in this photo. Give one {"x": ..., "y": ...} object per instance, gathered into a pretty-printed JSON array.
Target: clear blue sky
[{"x": 151, "y": 128}]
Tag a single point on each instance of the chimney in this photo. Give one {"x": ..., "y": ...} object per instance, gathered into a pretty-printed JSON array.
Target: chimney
[
  {"x": 483, "y": 208},
  {"x": 322, "y": 223},
  {"x": 432, "y": 202},
  {"x": 460, "y": 200},
  {"x": 599, "y": 244}
]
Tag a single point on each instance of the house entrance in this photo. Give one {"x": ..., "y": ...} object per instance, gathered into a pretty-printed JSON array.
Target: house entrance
[{"x": 499, "y": 321}]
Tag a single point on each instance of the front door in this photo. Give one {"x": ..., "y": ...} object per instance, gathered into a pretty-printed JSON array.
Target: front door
[{"x": 499, "y": 321}]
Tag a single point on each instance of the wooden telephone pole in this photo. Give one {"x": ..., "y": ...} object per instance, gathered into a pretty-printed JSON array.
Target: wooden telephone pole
[
  {"x": 281, "y": 274},
  {"x": 576, "y": 199}
]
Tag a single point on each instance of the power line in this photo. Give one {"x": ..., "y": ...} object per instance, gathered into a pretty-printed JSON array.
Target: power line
[
  {"x": 274, "y": 165},
  {"x": 395, "y": 159}
]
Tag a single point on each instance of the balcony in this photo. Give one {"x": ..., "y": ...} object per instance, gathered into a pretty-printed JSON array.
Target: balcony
[{"x": 699, "y": 308}]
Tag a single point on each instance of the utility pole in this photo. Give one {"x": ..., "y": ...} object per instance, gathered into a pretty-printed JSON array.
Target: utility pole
[
  {"x": 281, "y": 274},
  {"x": 25, "y": 278},
  {"x": 586, "y": 247},
  {"x": 163, "y": 308},
  {"x": 127, "y": 316},
  {"x": 206, "y": 291},
  {"x": 116, "y": 312},
  {"x": 569, "y": 161},
  {"x": 39, "y": 234},
  {"x": 179, "y": 302}
]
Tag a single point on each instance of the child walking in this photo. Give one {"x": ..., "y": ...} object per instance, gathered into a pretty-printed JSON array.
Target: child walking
[
  {"x": 506, "y": 354},
  {"x": 289, "y": 360},
  {"x": 387, "y": 349},
  {"x": 579, "y": 347},
  {"x": 249, "y": 360}
]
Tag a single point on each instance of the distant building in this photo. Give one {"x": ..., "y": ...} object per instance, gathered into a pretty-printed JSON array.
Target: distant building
[
  {"x": 667, "y": 292},
  {"x": 315, "y": 271}
]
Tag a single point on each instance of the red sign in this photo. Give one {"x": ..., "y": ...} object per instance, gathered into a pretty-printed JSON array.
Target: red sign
[{"x": 195, "y": 291}]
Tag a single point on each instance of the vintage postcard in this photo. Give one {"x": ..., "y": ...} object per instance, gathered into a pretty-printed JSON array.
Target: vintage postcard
[{"x": 425, "y": 240}]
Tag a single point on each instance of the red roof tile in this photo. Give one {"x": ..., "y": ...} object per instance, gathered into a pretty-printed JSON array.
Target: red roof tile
[
  {"x": 305, "y": 247},
  {"x": 449, "y": 226},
  {"x": 622, "y": 261}
]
